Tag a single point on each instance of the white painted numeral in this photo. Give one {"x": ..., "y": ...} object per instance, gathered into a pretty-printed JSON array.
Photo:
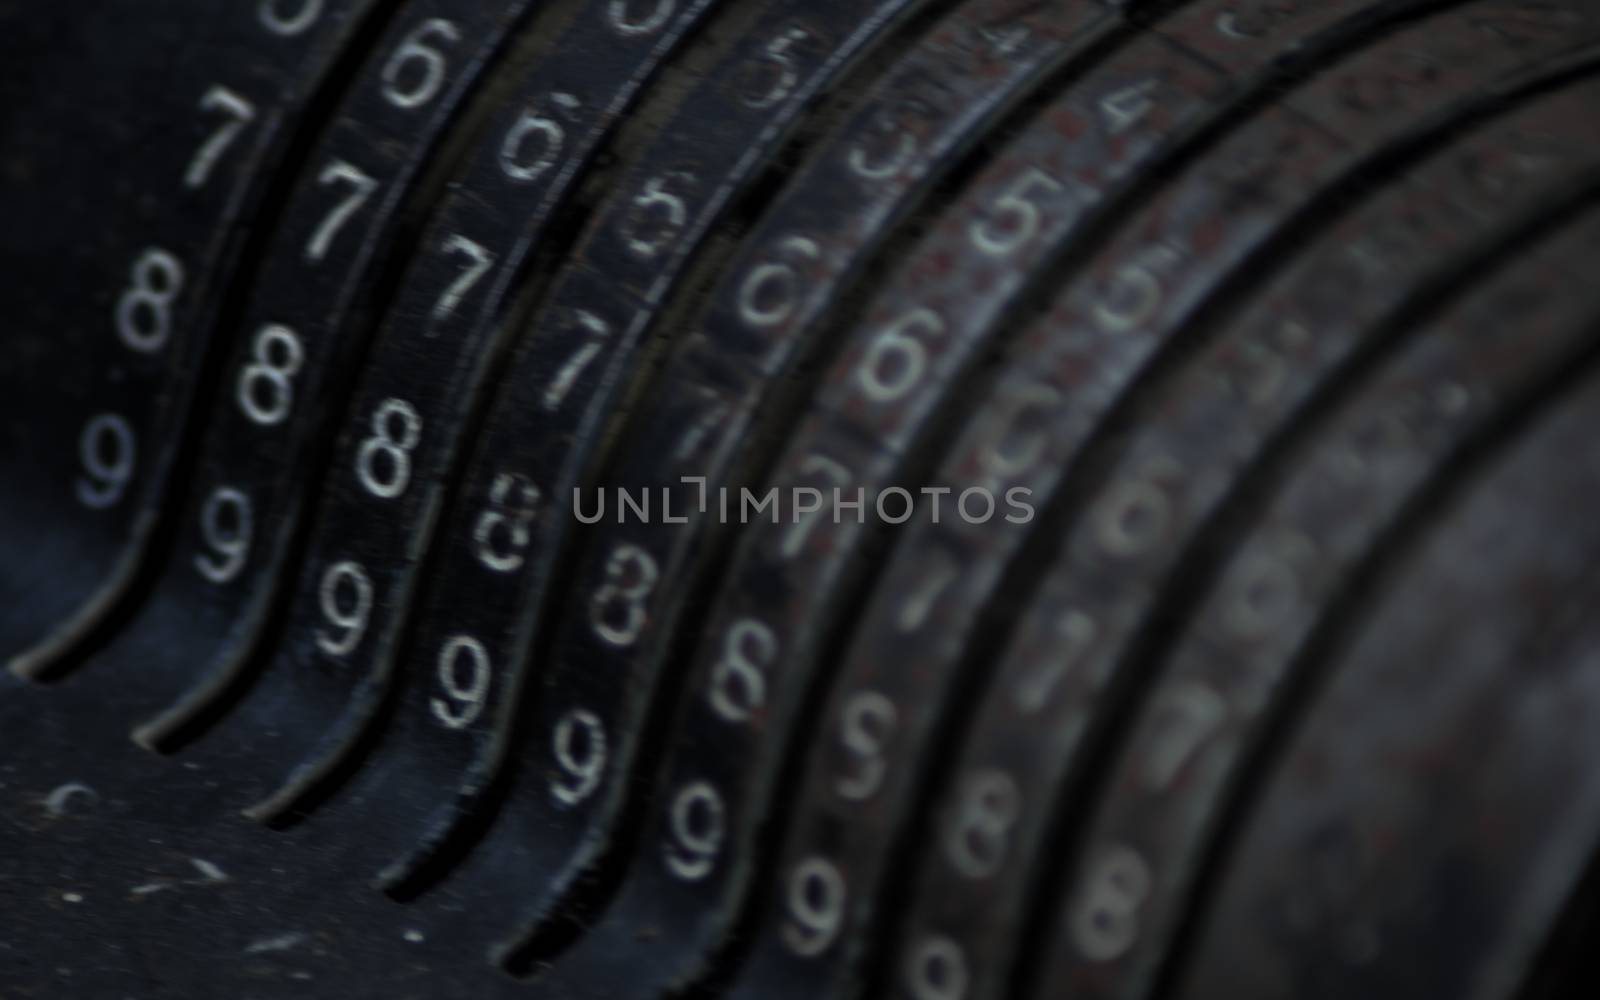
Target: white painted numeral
[
  {"x": 227, "y": 523},
  {"x": 237, "y": 113},
  {"x": 463, "y": 672},
  {"x": 936, "y": 969},
  {"x": 266, "y": 384},
  {"x": 421, "y": 63},
  {"x": 887, "y": 128},
  {"x": 816, "y": 904},
  {"x": 977, "y": 832},
  {"x": 657, "y": 215},
  {"x": 144, "y": 311},
  {"x": 301, "y": 16},
  {"x": 770, "y": 293},
  {"x": 579, "y": 742},
  {"x": 631, "y": 575},
  {"x": 346, "y": 598},
  {"x": 533, "y": 145},
  {"x": 1135, "y": 293},
  {"x": 794, "y": 539},
  {"x": 1005, "y": 40},
  {"x": 1105, "y": 914},
  {"x": 784, "y": 71},
  {"x": 1189, "y": 713},
  {"x": 478, "y": 263},
  {"x": 896, "y": 360},
  {"x": 627, "y": 21},
  {"x": 597, "y": 330},
  {"x": 513, "y": 504},
  {"x": 383, "y": 463},
  {"x": 361, "y": 188},
  {"x": 866, "y": 724},
  {"x": 1075, "y": 632},
  {"x": 738, "y": 681},
  {"x": 1129, "y": 106},
  {"x": 108, "y": 453},
  {"x": 1015, "y": 218},
  {"x": 697, "y": 820}
]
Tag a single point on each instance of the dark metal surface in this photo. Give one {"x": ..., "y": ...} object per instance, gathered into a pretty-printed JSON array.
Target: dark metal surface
[{"x": 1257, "y": 333}]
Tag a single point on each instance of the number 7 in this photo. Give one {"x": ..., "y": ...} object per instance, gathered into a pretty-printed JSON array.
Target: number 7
[
  {"x": 361, "y": 188},
  {"x": 479, "y": 261},
  {"x": 239, "y": 113}
]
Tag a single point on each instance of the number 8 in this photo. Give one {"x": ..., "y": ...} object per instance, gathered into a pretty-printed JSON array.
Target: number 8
[
  {"x": 1105, "y": 917},
  {"x": 390, "y": 479},
  {"x": 144, "y": 312},
  {"x": 266, "y": 384}
]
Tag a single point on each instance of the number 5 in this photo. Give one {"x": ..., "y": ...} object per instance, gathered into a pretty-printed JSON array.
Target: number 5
[{"x": 1013, "y": 219}]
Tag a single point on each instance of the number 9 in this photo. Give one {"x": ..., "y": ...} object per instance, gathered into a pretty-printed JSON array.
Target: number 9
[
  {"x": 697, "y": 830},
  {"x": 470, "y": 696},
  {"x": 227, "y": 524},
  {"x": 108, "y": 453},
  {"x": 816, "y": 907},
  {"x": 353, "y": 621},
  {"x": 579, "y": 742}
]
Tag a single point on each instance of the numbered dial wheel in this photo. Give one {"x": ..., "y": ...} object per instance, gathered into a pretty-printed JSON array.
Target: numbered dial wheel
[{"x": 800, "y": 499}]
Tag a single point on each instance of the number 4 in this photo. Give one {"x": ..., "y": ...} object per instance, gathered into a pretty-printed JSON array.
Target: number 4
[{"x": 1127, "y": 107}]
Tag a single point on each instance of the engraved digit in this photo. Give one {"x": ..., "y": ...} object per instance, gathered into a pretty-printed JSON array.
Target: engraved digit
[
  {"x": 697, "y": 827},
  {"x": 597, "y": 329},
  {"x": 866, "y": 724},
  {"x": 513, "y": 504},
  {"x": 579, "y": 742},
  {"x": 428, "y": 60},
  {"x": 344, "y": 578},
  {"x": 237, "y": 113},
  {"x": 936, "y": 969},
  {"x": 631, "y": 575},
  {"x": 1014, "y": 219},
  {"x": 816, "y": 904},
  {"x": 266, "y": 383},
  {"x": 515, "y": 158},
  {"x": 770, "y": 293},
  {"x": 361, "y": 187},
  {"x": 383, "y": 463},
  {"x": 144, "y": 311},
  {"x": 1129, "y": 106},
  {"x": 657, "y": 215},
  {"x": 108, "y": 453},
  {"x": 227, "y": 524},
  {"x": 288, "y": 25},
  {"x": 738, "y": 681},
  {"x": 628, "y": 23},
  {"x": 977, "y": 833},
  {"x": 478, "y": 263},
  {"x": 1105, "y": 914},
  {"x": 896, "y": 360},
  {"x": 466, "y": 695}
]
